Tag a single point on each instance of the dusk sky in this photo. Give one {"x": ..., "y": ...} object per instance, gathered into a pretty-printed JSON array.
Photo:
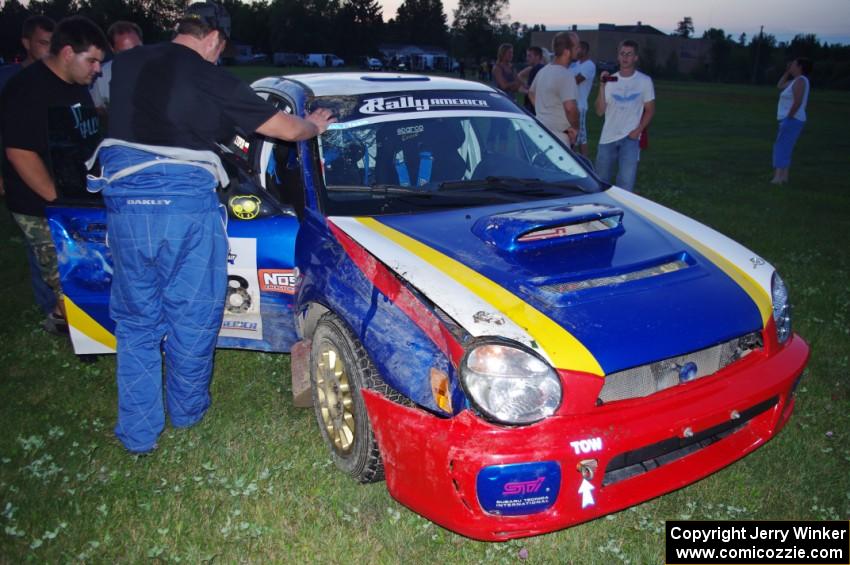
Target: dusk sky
[{"x": 829, "y": 19}]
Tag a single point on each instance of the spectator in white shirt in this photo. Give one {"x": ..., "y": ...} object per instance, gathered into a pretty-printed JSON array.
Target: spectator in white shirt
[
  {"x": 627, "y": 100},
  {"x": 584, "y": 69}
]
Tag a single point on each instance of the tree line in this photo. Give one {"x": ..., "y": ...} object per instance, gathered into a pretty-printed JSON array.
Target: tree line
[
  {"x": 355, "y": 28},
  {"x": 760, "y": 59},
  {"x": 349, "y": 28}
]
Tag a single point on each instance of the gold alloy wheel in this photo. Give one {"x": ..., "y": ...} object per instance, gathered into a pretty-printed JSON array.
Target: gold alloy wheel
[{"x": 336, "y": 405}]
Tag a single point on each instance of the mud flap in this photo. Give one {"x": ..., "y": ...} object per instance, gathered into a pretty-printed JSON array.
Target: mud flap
[{"x": 300, "y": 368}]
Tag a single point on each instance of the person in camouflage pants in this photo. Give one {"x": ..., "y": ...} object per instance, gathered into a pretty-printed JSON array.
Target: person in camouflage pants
[{"x": 37, "y": 234}]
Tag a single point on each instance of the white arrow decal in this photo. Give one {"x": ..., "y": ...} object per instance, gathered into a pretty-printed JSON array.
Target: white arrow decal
[{"x": 586, "y": 492}]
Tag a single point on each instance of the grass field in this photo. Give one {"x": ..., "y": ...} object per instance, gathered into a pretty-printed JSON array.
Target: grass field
[{"x": 253, "y": 481}]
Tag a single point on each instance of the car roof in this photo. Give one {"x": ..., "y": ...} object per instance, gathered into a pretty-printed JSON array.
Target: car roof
[{"x": 331, "y": 84}]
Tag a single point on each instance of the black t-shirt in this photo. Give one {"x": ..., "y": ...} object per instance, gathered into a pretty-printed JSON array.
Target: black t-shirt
[
  {"x": 42, "y": 113},
  {"x": 533, "y": 73},
  {"x": 167, "y": 94}
]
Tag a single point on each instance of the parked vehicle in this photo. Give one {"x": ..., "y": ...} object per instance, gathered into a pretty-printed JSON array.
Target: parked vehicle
[
  {"x": 323, "y": 60},
  {"x": 515, "y": 345},
  {"x": 374, "y": 64},
  {"x": 282, "y": 59}
]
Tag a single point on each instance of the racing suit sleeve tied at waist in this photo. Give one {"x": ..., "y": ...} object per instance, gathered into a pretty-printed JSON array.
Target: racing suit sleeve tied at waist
[{"x": 145, "y": 179}]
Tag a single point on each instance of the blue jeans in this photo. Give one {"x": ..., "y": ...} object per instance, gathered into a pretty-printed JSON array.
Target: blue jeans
[
  {"x": 789, "y": 131},
  {"x": 625, "y": 153}
]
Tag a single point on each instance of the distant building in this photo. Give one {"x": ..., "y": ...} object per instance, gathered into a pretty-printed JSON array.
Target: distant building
[{"x": 687, "y": 54}]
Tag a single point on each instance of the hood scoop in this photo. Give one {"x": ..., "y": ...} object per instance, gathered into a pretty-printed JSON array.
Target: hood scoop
[{"x": 546, "y": 227}]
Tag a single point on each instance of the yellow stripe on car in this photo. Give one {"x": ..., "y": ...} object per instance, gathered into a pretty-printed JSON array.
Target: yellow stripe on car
[
  {"x": 565, "y": 351},
  {"x": 79, "y": 320}
]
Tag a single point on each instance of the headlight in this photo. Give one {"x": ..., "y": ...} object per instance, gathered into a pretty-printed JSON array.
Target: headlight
[
  {"x": 509, "y": 384},
  {"x": 781, "y": 308}
]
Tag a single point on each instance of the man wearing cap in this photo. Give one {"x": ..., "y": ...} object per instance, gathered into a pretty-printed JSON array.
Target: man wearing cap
[{"x": 169, "y": 105}]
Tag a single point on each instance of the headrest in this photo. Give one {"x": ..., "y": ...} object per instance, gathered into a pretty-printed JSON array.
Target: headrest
[{"x": 435, "y": 133}]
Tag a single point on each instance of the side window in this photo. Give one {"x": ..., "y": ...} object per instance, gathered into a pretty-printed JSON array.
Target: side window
[
  {"x": 349, "y": 157},
  {"x": 278, "y": 165}
]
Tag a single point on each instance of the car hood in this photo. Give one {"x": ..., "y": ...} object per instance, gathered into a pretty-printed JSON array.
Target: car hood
[{"x": 596, "y": 283}]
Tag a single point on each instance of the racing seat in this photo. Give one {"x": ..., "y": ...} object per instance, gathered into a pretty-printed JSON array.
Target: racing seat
[
  {"x": 341, "y": 165},
  {"x": 420, "y": 152}
]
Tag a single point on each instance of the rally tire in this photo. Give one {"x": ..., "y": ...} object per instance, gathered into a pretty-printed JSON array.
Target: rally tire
[{"x": 340, "y": 369}]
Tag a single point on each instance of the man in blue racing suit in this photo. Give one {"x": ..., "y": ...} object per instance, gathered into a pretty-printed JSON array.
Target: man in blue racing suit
[{"x": 169, "y": 105}]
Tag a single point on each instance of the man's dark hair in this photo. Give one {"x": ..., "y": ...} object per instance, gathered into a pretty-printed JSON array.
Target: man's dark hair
[
  {"x": 33, "y": 23},
  {"x": 629, "y": 43},
  {"x": 585, "y": 46},
  {"x": 80, "y": 33},
  {"x": 122, "y": 27},
  {"x": 536, "y": 50},
  {"x": 806, "y": 65},
  {"x": 562, "y": 42},
  {"x": 203, "y": 17}
]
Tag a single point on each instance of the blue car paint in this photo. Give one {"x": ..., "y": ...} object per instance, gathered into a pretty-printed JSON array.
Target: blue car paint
[
  {"x": 650, "y": 325},
  {"x": 399, "y": 349},
  {"x": 85, "y": 262},
  {"x": 85, "y": 267},
  {"x": 505, "y": 230}
]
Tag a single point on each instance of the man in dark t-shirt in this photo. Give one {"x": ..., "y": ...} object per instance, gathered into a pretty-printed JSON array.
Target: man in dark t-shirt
[
  {"x": 47, "y": 124},
  {"x": 534, "y": 58},
  {"x": 169, "y": 106},
  {"x": 35, "y": 38}
]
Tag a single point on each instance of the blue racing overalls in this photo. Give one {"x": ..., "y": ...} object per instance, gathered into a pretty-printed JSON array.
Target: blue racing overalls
[{"x": 167, "y": 236}]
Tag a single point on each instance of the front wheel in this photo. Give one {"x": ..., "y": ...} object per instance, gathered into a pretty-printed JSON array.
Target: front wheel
[{"x": 339, "y": 370}]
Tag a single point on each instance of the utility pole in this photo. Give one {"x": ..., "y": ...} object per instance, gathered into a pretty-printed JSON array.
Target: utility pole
[{"x": 758, "y": 52}]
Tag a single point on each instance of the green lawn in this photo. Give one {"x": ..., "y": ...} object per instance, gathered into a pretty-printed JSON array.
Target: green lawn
[{"x": 253, "y": 481}]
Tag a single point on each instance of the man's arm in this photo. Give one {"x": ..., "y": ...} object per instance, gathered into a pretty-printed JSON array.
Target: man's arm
[
  {"x": 600, "y": 95},
  {"x": 648, "y": 112},
  {"x": 532, "y": 92},
  {"x": 571, "y": 110},
  {"x": 292, "y": 128},
  {"x": 33, "y": 172}
]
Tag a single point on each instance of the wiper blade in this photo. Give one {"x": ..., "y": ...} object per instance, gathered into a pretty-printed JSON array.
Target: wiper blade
[
  {"x": 371, "y": 189},
  {"x": 509, "y": 184}
]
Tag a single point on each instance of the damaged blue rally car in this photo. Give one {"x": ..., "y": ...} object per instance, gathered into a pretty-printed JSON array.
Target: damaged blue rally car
[{"x": 514, "y": 345}]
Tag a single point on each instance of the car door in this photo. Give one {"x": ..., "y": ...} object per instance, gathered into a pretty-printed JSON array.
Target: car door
[{"x": 262, "y": 223}]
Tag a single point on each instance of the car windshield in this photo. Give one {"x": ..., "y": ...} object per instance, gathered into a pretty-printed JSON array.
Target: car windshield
[{"x": 395, "y": 158}]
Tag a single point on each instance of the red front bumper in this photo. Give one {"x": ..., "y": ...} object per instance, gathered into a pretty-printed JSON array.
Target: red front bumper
[{"x": 432, "y": 463}]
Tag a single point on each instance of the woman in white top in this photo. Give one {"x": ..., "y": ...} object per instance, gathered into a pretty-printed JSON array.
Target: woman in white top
[{"x": 791, "y": 114}]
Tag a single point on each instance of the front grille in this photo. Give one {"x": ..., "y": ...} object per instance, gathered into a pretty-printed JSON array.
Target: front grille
[
  {"x": 639, "y": 461},
  {"x": 649, "y": 379}
]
